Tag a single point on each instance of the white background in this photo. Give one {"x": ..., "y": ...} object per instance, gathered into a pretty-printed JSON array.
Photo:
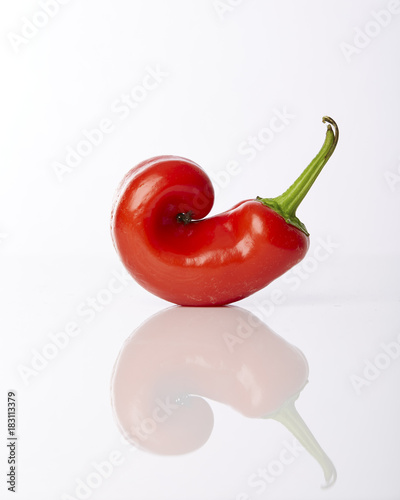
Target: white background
[{"x": 224, "y": 75}]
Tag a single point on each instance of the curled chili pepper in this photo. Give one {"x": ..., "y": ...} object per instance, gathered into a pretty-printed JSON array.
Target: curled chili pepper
[
  {"x": 182, "y": 355},
  {"x": 161, "y": 234}
]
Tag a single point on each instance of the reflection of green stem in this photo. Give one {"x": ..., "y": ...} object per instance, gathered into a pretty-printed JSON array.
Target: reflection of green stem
[{"x": 291, "y": 419}]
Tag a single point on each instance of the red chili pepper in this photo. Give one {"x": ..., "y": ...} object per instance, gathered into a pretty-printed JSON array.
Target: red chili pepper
[{"x": 166, "y": 244}]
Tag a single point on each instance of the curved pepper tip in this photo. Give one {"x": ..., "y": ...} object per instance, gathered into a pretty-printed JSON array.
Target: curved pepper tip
[
  {"x": 331, "y": 121},
  {"x": 328, "y": 119}
]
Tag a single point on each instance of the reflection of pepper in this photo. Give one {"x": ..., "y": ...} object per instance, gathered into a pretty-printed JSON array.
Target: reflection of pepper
[
  {"x": 161, "y": 240},
  {"x": 225, "y": 354}
]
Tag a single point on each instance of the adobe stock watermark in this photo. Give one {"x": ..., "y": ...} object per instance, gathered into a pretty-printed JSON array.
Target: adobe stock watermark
[
  {"x": 393, "y": 177},
  {"x": 254, "y": 144},
  {"x": 374, "y": 368},
  {"x": 264, "y": 476},
  {"x": 293, "y": 279},
  {"x": 93, "y": 480},
  {"x": 362, "y": 37},
  {"x": 86, "y": 311},
  {"x": 245, "y": 328},
  {"x": 30, "y": 27},
  {"x": 122, "y": 107},
  {"x": 250, "y": 147},
  {"x": 224, "y": 7},
  {"x": 160, "y": 413},
  {"x": 222, "y": 178},
  {"x": 278, "y": 295},
  {"x": 101, "y": 471}
]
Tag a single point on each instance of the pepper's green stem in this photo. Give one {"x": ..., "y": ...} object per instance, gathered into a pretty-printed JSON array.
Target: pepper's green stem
[
  {"x": 286, "y": 204},
  {"x": 291, "y": 419}
]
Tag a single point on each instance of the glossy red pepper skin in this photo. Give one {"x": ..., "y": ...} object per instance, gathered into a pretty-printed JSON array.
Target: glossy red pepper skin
[
  {"x": 160, "y": 231},
  {"x": 193, "y": 262}
]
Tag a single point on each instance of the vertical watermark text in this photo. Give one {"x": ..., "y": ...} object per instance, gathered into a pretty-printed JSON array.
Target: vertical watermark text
[{"x": 12, "y": 441}]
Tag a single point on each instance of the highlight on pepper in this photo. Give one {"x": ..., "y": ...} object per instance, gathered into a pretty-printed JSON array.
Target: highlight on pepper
[
  {"x": 182, "y": 355},
  {"x": 163, "y": 236}
]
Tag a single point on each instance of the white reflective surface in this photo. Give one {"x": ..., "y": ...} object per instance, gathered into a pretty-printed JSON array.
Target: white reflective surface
[
  {"x": 101, "y": 86},
  {"x": 351, "y": 407}
]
